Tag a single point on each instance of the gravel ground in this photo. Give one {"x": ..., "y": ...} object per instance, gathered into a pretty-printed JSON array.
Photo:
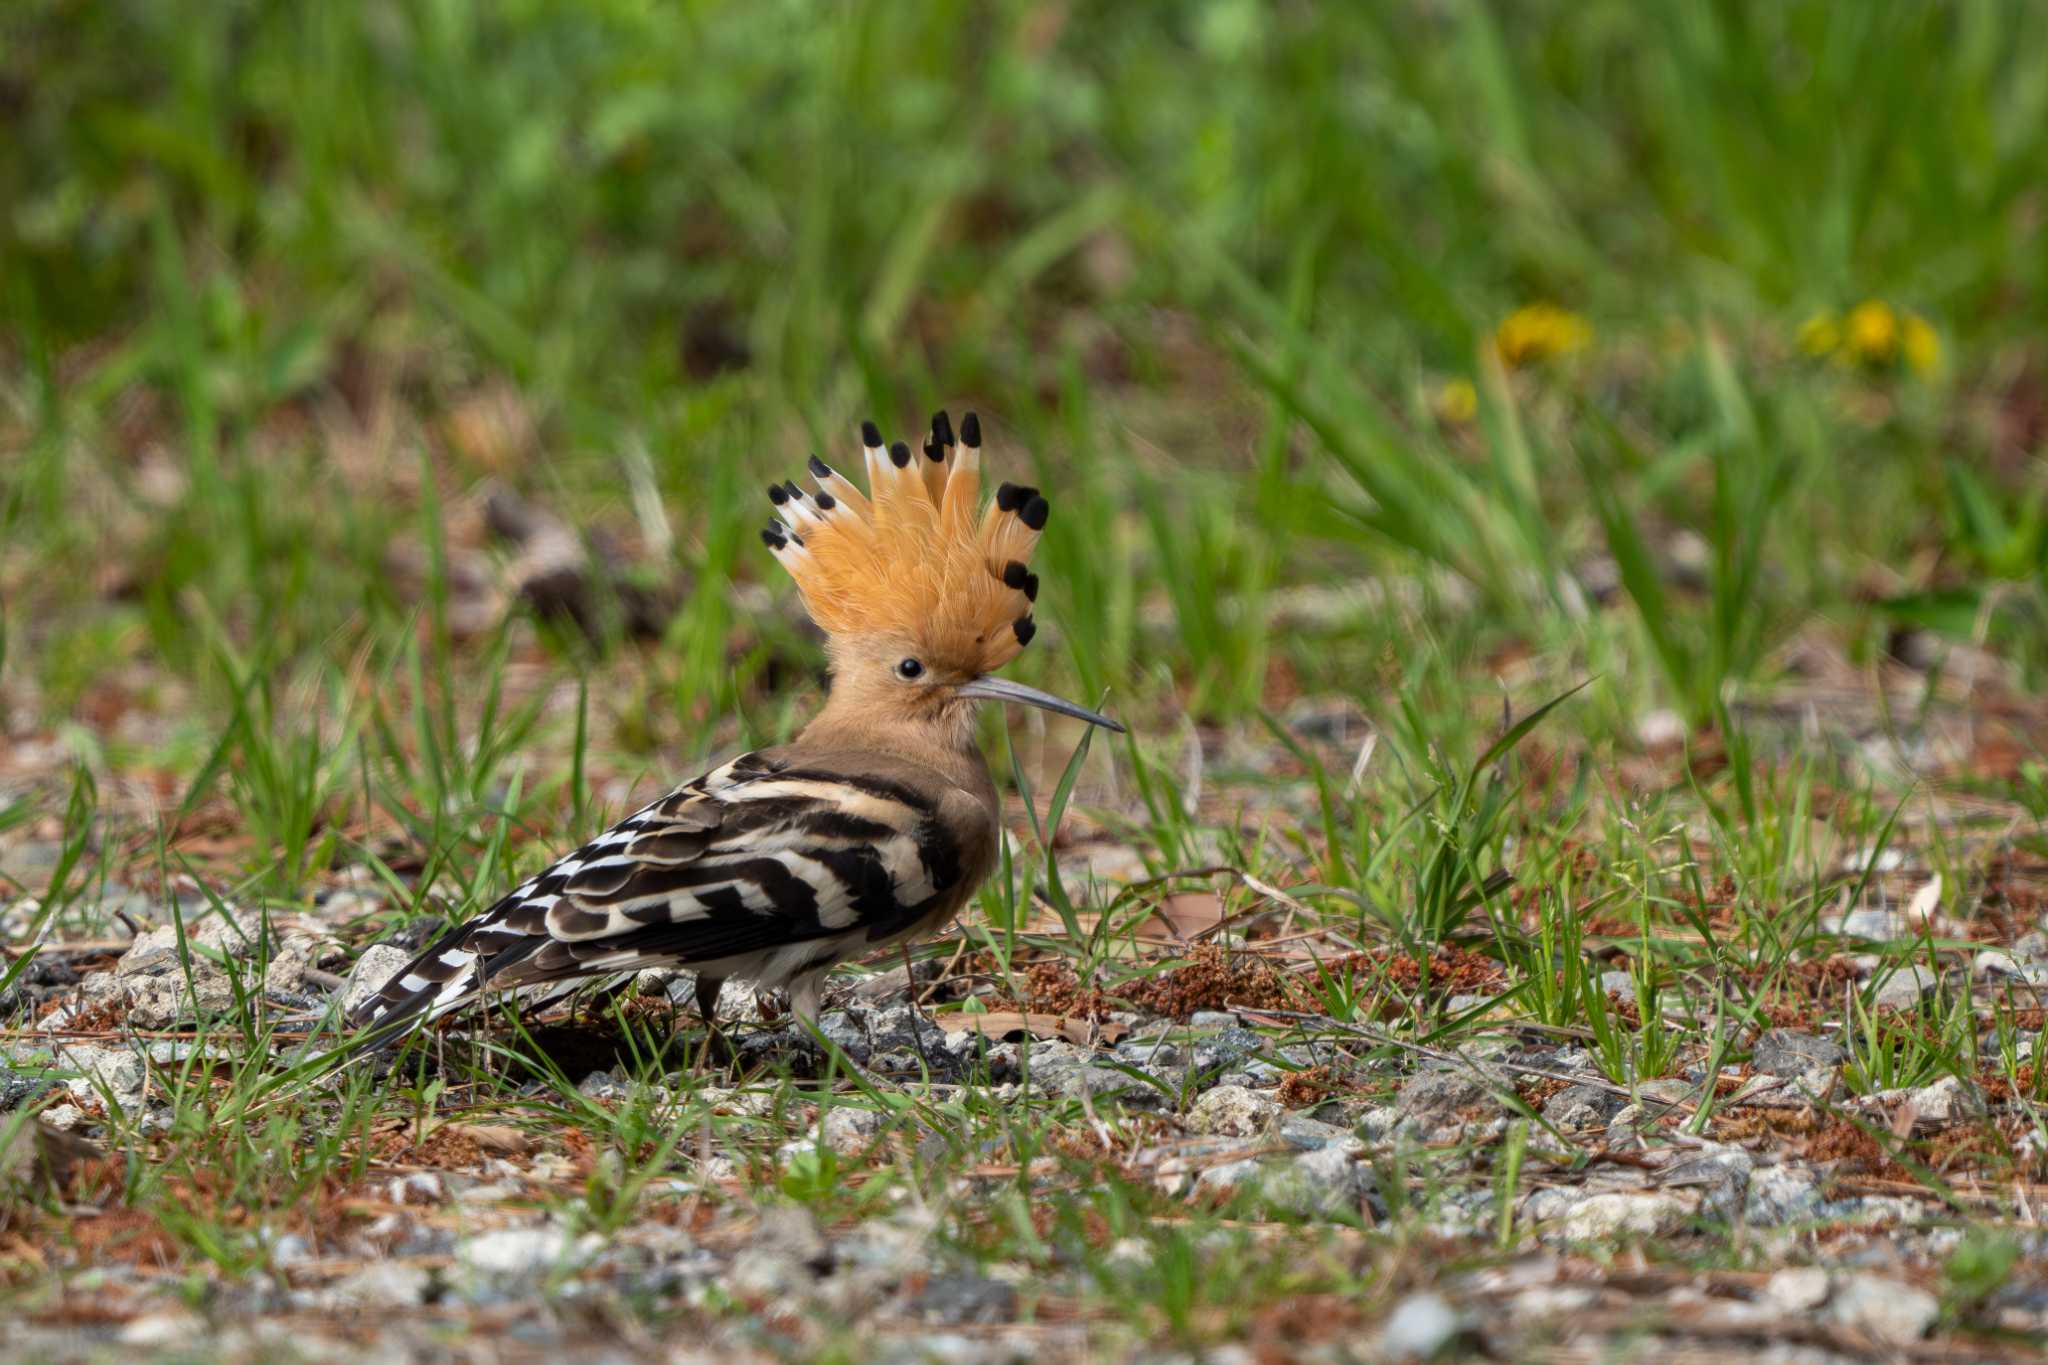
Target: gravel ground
[{"x": 479, "y": 1240}]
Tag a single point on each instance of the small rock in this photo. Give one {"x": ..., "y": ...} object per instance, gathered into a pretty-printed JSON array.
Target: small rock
[
  {"x": 1230, "y": 1177},
  {"x": 1550, "y": 1301},
  {"x": 1420, "y": 1326},
  {"x": 1788, "y": 1052},
  {"x": 1147, "y": 1052},
  {"x": 113, "y": 1071},
  {"x": 844, "y": 1031},
  {"x": 1439, "y": 1095},
  {"x": 787, "y": 1252},
  {"x": 290, "y": 1250},
  {"x": 1781, "y": 1194},
  {"x": 152, "y": 976},
  {"x": 603, "y": 1085},
  {"x": 1604, "y": 1217},
  {"x": 377, "y": 965},
  {"x": 1320, "y": 1184},
  {"x": 1233, "y": 1111},
  {"x": 1876, "y": 926},
  {"x": 384, "y": 1284},
  {"x": 850, "y": 1131},
  {"x": 1948, "y": 1100},
  {"x": 63, "y": 1117},
  {"x": 1583, "y": 1106},
  {"x": 17, "y": 1089},
  {"x": 954, "y": 1298},
  {"x": 1796, "y": 1289},
  {"x": 513, "y": 1257},
  {"x": 1129, "y": 1253},
  {"x": 1887, "y": 1309},
  {"x": 904, "y": 1041},
  {"x": 1887, "y": 860},
  {"x": 1230, "y": 1048},
  {"x": 162, "y": 1329},
  {"x": 1386, "y": 1123},
  {"x": 1720, "y": 1172},
  {"x": 1621, "y": 1129},
  {"x": 416, "y": 1187},
  {"x": 1661, "y": 729},
  {"x": 1310, "y": 1135},
  {"x": 1903, "y": 988},
  {"x": 1102, "y": 1083}
]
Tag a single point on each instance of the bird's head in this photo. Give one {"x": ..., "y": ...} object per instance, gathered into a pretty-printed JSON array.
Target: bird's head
[{"x": 923, "y": 592}]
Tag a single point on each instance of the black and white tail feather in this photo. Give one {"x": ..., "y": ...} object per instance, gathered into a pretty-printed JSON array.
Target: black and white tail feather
[{"x": 774, "y": 868}]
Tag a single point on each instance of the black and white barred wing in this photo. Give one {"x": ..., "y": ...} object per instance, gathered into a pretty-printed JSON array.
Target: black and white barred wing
[{"x": 757, "y": 869}]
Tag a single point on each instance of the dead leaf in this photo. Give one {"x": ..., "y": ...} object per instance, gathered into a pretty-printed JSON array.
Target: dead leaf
[
  {"x": 1926, "y": 901},
  {"x": 1189, "y": 915},
  {"x": 1904, "y": 1118},
  {"x": 35, "y": 1156},
  {"x": 496, "y": 1138},
  {"x": 1001, "y": 1024}
]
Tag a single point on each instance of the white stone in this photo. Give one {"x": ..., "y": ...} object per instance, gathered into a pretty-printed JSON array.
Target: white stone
[
  {"x": 1419, "y": 1327},
  {"x": 1877, "y": 926},
  {"x": 1796, "y": 1289},
  {"x": 152, "y": 976},
  {"x": 64, "y": 1116},
  {"x": 1130, "y": 1252},
  {"x": 1233, "y": 1111},
  {"x": 1230, "y": 1177},
  {"x": 162, "y": 1329},
  {"x": 384, "y": 1284},
  {"x": 1780, "y": 1194},
  {"x": 1948, "y": 1100},
  {"x": 1607, "y": 1216},
  {"x": 515, "y": 1253},
  {"x": 416, "y": 1187},
  {"x": 112, "y": 1070},
  {"x": 1887, "y": 1309},
  {"x": 378, "y": 964},
  {"x": 1887, "y": 860},
  {"x": 1904, "y": 987},
  {"x": 1551, "y": 1301},
  {"x": 1660, "y": 729},
  {"x": 849, "y": 1131}
]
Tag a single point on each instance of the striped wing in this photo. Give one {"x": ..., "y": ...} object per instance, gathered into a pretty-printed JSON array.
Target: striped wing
[{"x": 757, "y": 858}]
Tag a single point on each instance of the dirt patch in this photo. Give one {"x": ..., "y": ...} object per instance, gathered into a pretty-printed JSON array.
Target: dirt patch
[
  {"x": 1210, "y": 979},
  {"x": 1300, "y": 1089}
]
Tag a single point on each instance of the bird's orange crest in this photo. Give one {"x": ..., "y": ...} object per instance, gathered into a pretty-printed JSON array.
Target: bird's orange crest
[{"x": 919, "y": 554}]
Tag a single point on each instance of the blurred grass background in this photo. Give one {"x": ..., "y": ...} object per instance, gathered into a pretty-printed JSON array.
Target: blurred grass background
[{"x": 1358, "y": 343}]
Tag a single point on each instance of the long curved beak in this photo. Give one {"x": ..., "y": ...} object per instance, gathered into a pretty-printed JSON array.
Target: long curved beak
[{"x": 1002, "y": 689}]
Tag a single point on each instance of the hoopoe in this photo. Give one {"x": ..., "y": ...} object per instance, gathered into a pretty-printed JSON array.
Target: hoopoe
[{"x": 870, "y": 829}]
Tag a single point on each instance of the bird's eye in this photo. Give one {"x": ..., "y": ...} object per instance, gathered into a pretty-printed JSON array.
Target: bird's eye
[{"x": 910, "y": 668}]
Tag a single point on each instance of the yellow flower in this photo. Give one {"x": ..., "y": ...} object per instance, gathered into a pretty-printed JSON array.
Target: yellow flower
[
  {"x": 1457, "y": 402},
  {"x": 1820, "y": 334},
  {"x": 1921, "y": 346},
  {"x": 1539, "y": 332},
  {"x": 1871, "y": 334}
]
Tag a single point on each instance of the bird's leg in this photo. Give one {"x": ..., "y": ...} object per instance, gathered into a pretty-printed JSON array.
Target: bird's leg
[
  {"x": 708, "y": 988},
  {"x": 916, "y": 1010},
  {"x": 803, "y": 1008},
  {"x": 594, "y": 1002}
]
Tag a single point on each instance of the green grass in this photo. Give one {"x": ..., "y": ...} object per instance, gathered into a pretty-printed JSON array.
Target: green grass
[{"x": 285, "y": 291}]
